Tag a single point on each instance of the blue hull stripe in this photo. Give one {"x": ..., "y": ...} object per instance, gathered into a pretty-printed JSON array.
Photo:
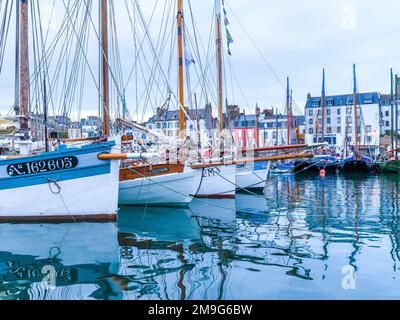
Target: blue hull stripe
[
  {"x": 102, "y": 168},
  {"x": 45, "y": 178}
]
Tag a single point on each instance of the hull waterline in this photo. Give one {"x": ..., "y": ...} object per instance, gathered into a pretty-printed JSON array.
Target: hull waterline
[
  {"x": 168, "y": 190},
  {"x": 81, "y": 188}
]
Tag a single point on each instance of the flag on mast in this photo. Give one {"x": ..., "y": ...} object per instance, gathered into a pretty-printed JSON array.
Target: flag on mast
[
  {"x": 189, "y": 60},
  {"x": 228, "y": 34}
]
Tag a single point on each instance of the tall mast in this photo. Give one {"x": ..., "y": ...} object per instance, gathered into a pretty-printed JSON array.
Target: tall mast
[
  {"x": 219, "y": 66},
  {"x": 258, "y": 111},
  {"x": 396, "y": 112},
  {"x": 104, "y": 54},
  {"x": 17, "y": 57},
  {"x": 392, "y": 108},
  {"x": 355, "y": 98},
  {"x": 323, "y": 106},
  {"x": 23, "y": 80},
  {"x": 289, "y": 116},
  {"x": 181, "y": 77}
]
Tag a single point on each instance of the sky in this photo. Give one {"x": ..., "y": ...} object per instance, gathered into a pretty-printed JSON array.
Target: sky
[{"x": 272, "y": 40}]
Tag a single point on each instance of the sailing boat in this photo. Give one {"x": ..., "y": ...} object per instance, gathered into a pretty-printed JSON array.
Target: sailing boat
[
  {"x": 392, "y": 165},
  {"x": 70, "y": 184},
  {"x": 323, "y": 162},
  {"x": 357, "y": 162},
  {"x": 168, "y": 184}
]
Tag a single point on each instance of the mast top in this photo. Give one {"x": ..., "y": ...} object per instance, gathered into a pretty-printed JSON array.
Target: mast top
[
  {"x": 323, "y": 82},
  {"x": 355, "y": 78},
  {"x": 218, "y": 8}
]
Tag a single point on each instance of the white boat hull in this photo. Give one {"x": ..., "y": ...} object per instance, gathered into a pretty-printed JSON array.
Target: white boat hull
[
  {"x": 218, "y": 182},
  {"x": 88, "y": 192},
  {"x": 171, "y": 190},
  {"x": 252, "y": 177}
]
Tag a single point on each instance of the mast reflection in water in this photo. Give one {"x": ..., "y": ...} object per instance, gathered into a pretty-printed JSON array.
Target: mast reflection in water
[{"x": 293, "y": 242}]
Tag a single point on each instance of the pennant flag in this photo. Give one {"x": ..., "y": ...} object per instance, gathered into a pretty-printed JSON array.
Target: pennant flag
[
  {"x": 228, "y": 34},
  {"x": 227, "y": 23},
  {"x": 189, "y": 60},
  {"x": 230, "y": 41},
  {"x": 317, "y": 125}
]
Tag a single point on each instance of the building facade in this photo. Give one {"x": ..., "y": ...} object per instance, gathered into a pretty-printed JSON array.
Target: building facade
[
  {"x": 340, "y": 120},
  {"x": 168, "y": 124},
  {"x": 272, "y": 130}
]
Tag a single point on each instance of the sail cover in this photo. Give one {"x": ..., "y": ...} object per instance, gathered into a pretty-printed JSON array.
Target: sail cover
[{"x": 8, "y": 126}]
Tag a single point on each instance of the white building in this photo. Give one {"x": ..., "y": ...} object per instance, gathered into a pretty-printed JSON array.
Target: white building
[
  {"x": 340, "y": 120},
  {"x": 168, "y": 124}
]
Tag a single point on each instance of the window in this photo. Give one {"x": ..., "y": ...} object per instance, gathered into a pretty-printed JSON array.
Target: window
[
  {"x": 315, "y": 104},
  {"x": 349, "y": 111},
  {"x": 328, "y": 112},
  {"x": 339, "y": 120},
  {"x": 266, "y": 135},
  {"x": 158, "y": 125},
  {"x": 387, "y": 123},
  {"x": 330, "y": 103},
  {"x": 274, "y": 135},
  {"x": 170, "y": 125},
  {"x": 387, "y": 114},
  {"x": 339, "y": 112},
  {"x": 176, "y": 125},
  {"x": 339, "y": 130},
  {"x": 369, "y": 139},
  {"x": 350, "y": 130},
  {"x": 328, "y": 120},
  {"x": 368, "y": 129},
  {"x": 349, "y": 120},
  {"x": 329, "y": 130},
  {"x": 310, "y": 122},
  {"x": 311, "y": 113},
  {"x": 270, "y": 125},
  {"x": 349, "y": 139},
  {"x": 311, "y": 131}
]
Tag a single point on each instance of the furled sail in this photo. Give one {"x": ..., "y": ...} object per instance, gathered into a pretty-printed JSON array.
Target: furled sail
[{"x": 8, "y": 126}]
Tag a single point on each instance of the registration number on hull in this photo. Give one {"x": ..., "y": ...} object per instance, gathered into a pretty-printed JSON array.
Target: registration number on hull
[{"x": 35, "y": 167}]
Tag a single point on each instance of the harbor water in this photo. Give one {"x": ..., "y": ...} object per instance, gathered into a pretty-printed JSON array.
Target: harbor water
[{"x": 303, "y": 238}]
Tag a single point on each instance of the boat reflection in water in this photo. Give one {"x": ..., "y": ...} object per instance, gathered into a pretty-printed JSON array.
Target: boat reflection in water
[
  {"x": 58, "y": 261},
  {"x": 298, "y": 242}
]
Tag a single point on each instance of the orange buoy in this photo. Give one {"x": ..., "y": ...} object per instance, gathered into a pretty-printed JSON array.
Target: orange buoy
[{"x": 322, "y": 173}]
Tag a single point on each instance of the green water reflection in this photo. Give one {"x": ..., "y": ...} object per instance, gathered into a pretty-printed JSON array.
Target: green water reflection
[{"x": 294, "y": 242}]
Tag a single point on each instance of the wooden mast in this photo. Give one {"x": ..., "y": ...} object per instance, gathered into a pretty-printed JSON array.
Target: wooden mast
[
  {"x": 323, "y": 105},
  {"x": 181, "y": 71},
  {"x": 104, "y": 54},
  {"x": 23, "y": 109},
  {"x": 258, "y": 112},
  {"x": 392, "y": 109},
  {"x": 355, "y": 98},
  {"x": 396, "y": 113},
  {"x": 219, "y": 66},
  {"x": 289, "y": 113}
]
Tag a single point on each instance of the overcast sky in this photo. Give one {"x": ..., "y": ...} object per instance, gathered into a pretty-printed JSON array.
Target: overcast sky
[{"x": 297, "y": 38}]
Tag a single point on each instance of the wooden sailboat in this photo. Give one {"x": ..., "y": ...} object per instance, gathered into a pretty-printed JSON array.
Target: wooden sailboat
[
  {"x": 324, "y": 162},
  {"x": 168, "y": 184},
  {"x": 357, "y": 162},
  {"x": 70, "y": 184},
  {"x": 218, "y": 180}
]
